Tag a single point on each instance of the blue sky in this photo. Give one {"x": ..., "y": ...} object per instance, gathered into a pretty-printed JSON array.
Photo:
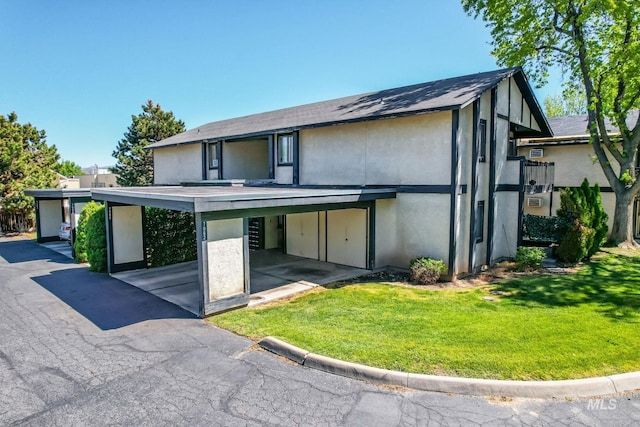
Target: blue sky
[{"x": 80, "y": 69}]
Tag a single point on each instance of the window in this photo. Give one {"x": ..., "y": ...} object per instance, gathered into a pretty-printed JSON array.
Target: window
[
  {"x": 479, "y": 222},
  {"x": 285, "y": 150},
  {"x": 213, "y": 156},
  {"x": 482, "y": 141}
]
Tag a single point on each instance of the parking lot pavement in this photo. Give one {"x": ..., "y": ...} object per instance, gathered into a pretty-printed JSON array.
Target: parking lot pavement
[{"x": 80, "y": 348}]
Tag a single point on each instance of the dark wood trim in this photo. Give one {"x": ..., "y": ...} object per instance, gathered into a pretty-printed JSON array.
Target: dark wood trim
[
  {"x": 558, "y": 188},
  {"x": 423, "y": 189},
  {"x": 281, "y": 210},
  {"x": 296, "y": 159},
  {"x": 143, "y": 219},
  {"x": 108, "y": 213},
  {"x": 272, "y": 156},
  {"x": 372, "y": 235},
  {"x": 219, "y": 151},
  {"x": 38, "y": 228},
  {"x": 475, "y": 148},
  {"x": 135, "y": 265},
  {"x": 492, "y": 173},
  {"x": 203, "y": 272},
  {"x": 502, "y": 116},
  {"x": 508, "y": 187},
  {"x": 455, "y": 119},
  {"x": 521, "y": 202},
  {"x": 205, "y": 160}
]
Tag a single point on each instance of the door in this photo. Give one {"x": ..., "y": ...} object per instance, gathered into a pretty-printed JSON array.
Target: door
[{"x": 347, "y": 237}]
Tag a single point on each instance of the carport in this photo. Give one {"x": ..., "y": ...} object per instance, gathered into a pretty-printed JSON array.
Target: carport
[
  {"x": 335, "y": 226},
  {"x": 54, "y": 206}
]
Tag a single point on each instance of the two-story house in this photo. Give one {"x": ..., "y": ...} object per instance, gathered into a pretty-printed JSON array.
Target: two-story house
[{"x": 369, "y": 181}]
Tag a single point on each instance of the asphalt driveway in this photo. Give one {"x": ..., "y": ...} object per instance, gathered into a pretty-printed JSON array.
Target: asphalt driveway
[{"x": 79, "y": 348}]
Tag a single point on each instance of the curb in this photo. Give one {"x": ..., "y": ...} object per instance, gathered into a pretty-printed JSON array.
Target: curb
[{"x": 587, "y": 387}]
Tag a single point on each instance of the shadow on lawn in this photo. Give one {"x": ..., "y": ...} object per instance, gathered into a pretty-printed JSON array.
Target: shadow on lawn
[{"x": 611, "y": 282}]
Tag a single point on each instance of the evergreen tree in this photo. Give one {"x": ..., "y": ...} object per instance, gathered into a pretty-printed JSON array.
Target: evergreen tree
[
  {"x": 134, "y": 162},
  {"x": 26, "y": 161}
]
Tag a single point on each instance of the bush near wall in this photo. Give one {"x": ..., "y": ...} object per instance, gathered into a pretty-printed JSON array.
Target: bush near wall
[
  {"x": 549, "y": 229},
  {"x": 79, "y": 245},
  {"x": 582, "y": 209},
  {"x": 96, "y": 241},
  {"x": 426, "y": 271},
  {"x": 170, "y": 237}
]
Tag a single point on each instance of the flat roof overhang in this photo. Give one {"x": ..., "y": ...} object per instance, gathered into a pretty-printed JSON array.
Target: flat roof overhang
[
  {"x": 234, "y": 198},
  {"x": 58, "y": 193}
]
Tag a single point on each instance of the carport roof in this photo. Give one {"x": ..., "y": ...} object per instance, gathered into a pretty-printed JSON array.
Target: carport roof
[
  {"x": 58, "y": 193},
  {"x": 215, "y": 199}
]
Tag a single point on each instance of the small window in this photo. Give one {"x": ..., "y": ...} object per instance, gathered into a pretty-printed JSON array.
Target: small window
[
  {"x": 285, "y": 150},
  {"x": 213, "y": 156},
  {"x": 482, "y": 141},
  {"x": 479, "y": 222}
]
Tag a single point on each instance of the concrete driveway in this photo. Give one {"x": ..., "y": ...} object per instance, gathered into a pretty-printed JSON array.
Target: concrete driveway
[{"x": 79, "y": 348}]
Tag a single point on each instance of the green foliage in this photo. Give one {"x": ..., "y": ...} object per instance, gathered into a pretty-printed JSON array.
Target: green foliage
[
  {"x": 96, "y": 242},
  {"x": 582, "y": 209},
  {"x": 570, "y": 103},
  {"x": 26, "y": 161},
  {"x": 80, "y": 243},
  {"x": 596, "y": 45},
  {"x": 68, "y": 168},
  {"x": 426, "y": 271},
  {"x": 539, "y": 228},
  {"x": 170, "y": 237},
  {"x": 135, "y": 163},
  {"x": 529, "y": 257}
]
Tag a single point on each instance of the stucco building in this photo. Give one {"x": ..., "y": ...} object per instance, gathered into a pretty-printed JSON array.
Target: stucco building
[{"x": 368, "y": 181}]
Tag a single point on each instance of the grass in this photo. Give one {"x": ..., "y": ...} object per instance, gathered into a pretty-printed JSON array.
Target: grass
[{"x": 541, "y": 327}]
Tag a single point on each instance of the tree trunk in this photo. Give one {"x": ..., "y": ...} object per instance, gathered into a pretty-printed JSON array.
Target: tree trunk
[{"x": 622, "y": 230}]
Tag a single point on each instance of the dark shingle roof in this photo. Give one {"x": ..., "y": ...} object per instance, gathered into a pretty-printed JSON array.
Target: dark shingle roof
[
  {"x": 447, "y": 94},
  {"x": 577, "y": 125}
]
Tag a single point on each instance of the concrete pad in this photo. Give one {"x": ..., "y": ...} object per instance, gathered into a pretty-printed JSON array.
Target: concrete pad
[
  {"x": 62, "y": 247},
  {"x": 280, "y": 292}
]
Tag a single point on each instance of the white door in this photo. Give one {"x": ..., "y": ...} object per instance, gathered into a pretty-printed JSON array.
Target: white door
[
  {"x": 347, "y": 237},
  {"x": 302, "y": 234}
]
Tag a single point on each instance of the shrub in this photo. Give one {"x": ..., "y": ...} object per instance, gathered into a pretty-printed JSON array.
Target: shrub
[
  {"x": 170, "y": 237},
  {"x": 582, "y": 208},
  {"x": 96, "y": 241},
  {"x": 426, "y": 271},
  {"x": 528, "y": 257},
  {"x": 544, "y": 228},
  {"x": 79, "y": 245}
]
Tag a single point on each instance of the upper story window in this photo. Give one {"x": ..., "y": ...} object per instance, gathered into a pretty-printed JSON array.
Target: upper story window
[
  {"x": 285, "y": 150},
  {"x": 482, "y": 141},
  {"x": 213, "y": 155}
]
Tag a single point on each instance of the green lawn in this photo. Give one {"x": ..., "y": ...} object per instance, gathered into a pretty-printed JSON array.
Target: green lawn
[{"x": 549, "y": 327}]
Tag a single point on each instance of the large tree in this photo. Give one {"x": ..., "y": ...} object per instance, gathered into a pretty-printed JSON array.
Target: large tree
[
  {"x": 26, "y": 161},
  {"x": 596, "y": 44},
  {"x": 135, "y": 163},
  {"x": 569, "y": 103},
  {"x": 68, "y": 168}
]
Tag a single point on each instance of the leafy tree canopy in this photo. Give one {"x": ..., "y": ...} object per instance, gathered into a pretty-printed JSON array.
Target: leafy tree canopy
[
  {"x": 68, "y": 168},
  {"x": 26, "y": 161},
  {"x": 570, "y": 103},
  {"x": 135, "y": 163},
  {"x": 596, "y": 44}
]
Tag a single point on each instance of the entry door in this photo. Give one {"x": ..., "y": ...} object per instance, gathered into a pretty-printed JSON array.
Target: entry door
[{"x": 347, "y": 237}]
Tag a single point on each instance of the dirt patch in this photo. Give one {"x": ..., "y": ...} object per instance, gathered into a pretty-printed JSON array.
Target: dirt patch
[{"x": 503, "y": 271}]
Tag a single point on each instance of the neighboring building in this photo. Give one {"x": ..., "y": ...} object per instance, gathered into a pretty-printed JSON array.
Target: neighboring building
[
  {"x": 573, "y": 160},
  {"x": 369, "y": 181}
]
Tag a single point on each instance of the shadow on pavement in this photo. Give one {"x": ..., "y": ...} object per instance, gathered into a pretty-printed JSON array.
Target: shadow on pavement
[
  {"x": 28, "y": 250},
  {"x": 107, "y": 302}
]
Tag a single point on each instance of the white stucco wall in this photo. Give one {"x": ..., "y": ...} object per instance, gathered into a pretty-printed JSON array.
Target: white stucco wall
[
  {"x": 271, "y": 232},
  {"x": 225, "y": 257},
  {"x": 302, "y": 234},
  {"x": 283, "y": 174},
  {"x": 127, "y": 234},
  {"x": 173, "y": 165},
  {"x": 245, "y": 159},
  {"x": 50, "y": 212},
  {"x": 505, "y": 237},
  {"x": 385, "y": 233},
  {"x": 409, "y": 150}
]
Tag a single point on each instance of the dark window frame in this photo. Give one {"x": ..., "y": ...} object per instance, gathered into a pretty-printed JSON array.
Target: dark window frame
[
  {"x": 479, "y": 222},
  {"x": 212, "y": 148},
  {"x": 482, "y": 141},
  {"x": 289, "y": 153}
]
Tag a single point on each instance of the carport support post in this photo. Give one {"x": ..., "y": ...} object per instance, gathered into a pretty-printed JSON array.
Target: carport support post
[{"x": 203, "y": 268}]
